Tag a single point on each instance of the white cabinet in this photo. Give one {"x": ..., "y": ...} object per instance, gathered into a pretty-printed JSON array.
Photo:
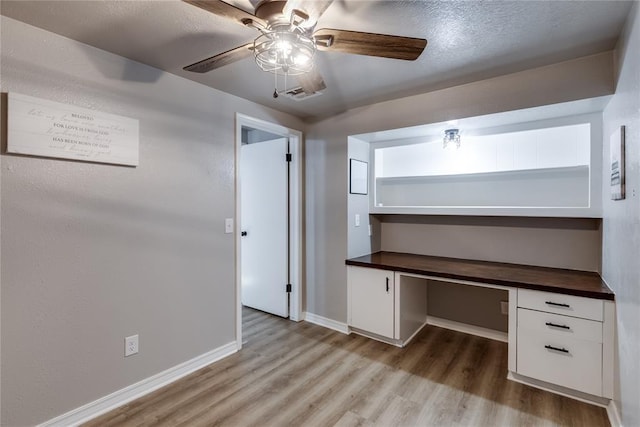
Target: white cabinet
[
  {"x": 371, "y": 300},
  {"x": 385, "y": 305},
  {"x": 560, "y": 340}
]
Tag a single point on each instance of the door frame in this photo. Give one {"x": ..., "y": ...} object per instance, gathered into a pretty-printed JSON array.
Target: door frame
[{"x": 295, "y": 215}]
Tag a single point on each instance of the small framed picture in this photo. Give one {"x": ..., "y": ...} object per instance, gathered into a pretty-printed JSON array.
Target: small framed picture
[
  {"x": 617, "y": 164},
  {"x": 358, "y": 177}
]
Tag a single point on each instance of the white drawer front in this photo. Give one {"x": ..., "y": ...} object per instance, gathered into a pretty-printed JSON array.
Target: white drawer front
[
  {"x": 576, "y": 364},
  {"x": 558, "y": 326},
  {"x": 569, "y": 305}
]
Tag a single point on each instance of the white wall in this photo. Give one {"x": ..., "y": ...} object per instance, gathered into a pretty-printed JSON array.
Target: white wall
[
  {"x": 560, "y": 146},
  {"x": 621, "y": 223},
  {"x": 532, "y": 166},
  {"x": 328, "y": 230},
  {"x": 92, "y": 253},
  {"x": 358, "y": 204}
]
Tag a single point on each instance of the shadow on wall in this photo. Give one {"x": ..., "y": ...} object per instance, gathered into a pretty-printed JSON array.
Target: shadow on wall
[{"x": 121, "y": 70}]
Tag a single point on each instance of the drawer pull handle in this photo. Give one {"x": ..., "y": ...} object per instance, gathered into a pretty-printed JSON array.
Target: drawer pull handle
[
  {"x": 557, "y": 326},
  {"x": 557, "y": 304},
  {"x": 550, "y": 347},
  {"x": 387, "y": 285}
]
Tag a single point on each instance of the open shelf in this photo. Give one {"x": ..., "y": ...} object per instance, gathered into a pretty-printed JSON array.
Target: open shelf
[{"x": 564, "y": 187}]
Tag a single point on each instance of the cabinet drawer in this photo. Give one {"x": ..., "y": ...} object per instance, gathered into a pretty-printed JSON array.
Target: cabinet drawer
[
  {"x": 569, "y": 305},
  {"x": 556, "y": 326},
  {"x": 576, "y": 364}
]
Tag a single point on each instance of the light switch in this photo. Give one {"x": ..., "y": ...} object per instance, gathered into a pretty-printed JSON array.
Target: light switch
[
  {"x": 228, "y": 225},
  {"x": 357, "y": 220}
]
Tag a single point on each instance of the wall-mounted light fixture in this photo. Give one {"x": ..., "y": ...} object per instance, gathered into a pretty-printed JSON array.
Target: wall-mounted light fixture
[{"x": 451, "y": 136}]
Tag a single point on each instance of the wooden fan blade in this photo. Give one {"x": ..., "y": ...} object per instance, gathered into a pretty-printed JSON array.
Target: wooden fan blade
[
  {"x": 311, "y": 82},
  {"x": 313, "y": 8},
  {"x": 371, "y": 44},
  {"x": 221, "y": 59},
  {"x": 227, "y": 10}
]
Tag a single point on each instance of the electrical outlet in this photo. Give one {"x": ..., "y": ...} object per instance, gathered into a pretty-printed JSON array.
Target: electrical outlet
[
  {"x": 357, "y": 220},
  {"x": 504, "y": 307},
  {"x": 370, "y": 230},
  {"x": 130, "y": 345}
]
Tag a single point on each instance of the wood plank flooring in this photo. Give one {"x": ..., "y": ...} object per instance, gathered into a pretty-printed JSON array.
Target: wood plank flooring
[{"x": 299, "y": 374}]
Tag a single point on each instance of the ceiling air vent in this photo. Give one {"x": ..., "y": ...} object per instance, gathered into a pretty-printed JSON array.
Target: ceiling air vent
[{"x": 299, "y": 94}]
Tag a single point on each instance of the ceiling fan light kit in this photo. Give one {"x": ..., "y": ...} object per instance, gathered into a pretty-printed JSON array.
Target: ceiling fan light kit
[
  {"x": 285, "y": 52},
  {"x": 288, "y": 43}
]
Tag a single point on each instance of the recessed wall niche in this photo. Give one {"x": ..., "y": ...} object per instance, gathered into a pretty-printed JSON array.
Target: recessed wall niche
[{"x": 534, "y": 162}]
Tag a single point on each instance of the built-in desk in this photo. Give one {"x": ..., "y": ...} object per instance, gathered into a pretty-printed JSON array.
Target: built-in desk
[
  {"x": 561, "y": 322},
  {"x": 571, "y": 282}
]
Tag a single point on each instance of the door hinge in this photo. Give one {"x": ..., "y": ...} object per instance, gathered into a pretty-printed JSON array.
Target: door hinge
[
  {"x": 288, "y": 287},
  {"x": 288, "y": 157}
]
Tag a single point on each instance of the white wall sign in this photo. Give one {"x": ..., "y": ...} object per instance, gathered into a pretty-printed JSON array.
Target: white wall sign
[{"x": 45, "y": 128}]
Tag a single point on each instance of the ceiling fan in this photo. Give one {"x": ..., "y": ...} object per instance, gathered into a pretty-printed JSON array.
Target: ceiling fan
[{"x": 288, "y": 40}]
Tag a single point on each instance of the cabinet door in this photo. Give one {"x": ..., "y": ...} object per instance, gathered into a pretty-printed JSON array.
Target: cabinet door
[{"x": 371, "y": 293}]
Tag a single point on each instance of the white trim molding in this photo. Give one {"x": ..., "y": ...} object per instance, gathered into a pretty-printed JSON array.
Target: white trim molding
[
  {"x": 118, "y": 398},
  {"x": 327, "y": 323},
  {"x": 602, "y": 402},
  {"x": 614, "y": 414}
]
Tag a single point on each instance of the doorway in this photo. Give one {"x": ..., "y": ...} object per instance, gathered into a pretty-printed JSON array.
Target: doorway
[{"x": 268, "y": 219}]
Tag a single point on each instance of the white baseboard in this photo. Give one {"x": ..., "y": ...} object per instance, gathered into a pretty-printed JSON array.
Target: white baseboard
[
  {"x": 468, "y": 329},
  {"x": 602, "y": 402},
  {"x": 376, "y": 337},
  {"x": 614, "y": 415},
  {"x": 118, "y": 398},
  {"x": 327, "y": 323}
]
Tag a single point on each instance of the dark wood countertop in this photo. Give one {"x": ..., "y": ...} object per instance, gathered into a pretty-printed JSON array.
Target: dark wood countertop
[{"x": 570, "y": 282}]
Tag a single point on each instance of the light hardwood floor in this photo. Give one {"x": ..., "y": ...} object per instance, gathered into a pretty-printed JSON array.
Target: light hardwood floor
[{"x": 301, "y": 374}]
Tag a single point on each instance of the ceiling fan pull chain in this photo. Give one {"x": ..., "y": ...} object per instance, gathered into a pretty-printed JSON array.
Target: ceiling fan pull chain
[{"x": 275, "y": 90}]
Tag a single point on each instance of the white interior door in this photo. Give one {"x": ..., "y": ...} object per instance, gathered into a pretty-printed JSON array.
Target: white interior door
[{"x": 264, "y": 219}]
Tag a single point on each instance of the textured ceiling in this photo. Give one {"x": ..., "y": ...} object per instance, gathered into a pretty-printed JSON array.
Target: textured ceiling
[{"x": 468, "y": 40}]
